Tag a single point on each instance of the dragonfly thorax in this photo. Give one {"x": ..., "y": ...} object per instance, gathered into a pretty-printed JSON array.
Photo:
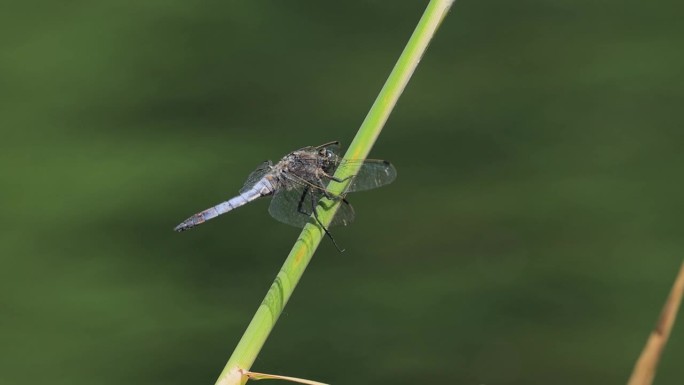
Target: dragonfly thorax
[{"x": 308, "y": 165}]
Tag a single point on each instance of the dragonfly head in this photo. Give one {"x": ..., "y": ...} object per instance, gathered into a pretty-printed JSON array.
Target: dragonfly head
[{"x": 327, "y": 159}]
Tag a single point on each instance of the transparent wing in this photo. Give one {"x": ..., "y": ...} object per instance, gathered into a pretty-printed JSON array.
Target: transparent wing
[
  {"x": 294, "y": 206},
  {"x": 372, "y": 173},
  {"x": 256, "y": 176}
]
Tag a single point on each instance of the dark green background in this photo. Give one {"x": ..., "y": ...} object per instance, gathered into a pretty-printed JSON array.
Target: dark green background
[{"x": 531, "y": 237}]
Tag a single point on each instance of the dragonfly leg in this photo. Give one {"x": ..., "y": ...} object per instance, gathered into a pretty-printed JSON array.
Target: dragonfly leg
[
  {"x": 336, "y": 179},
  {"x": 314, "y": 204},
  {"x": 315, "y": 213},
  {"x": 300, "y": 205},
  {"x": 345, "y": 201},
  {"x": 327, "y": 192}
]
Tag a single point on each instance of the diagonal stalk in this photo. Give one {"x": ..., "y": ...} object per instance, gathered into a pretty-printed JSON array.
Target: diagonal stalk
[
  {"x": 268, "y": 312},
  {"x": 646, "y": 366}
]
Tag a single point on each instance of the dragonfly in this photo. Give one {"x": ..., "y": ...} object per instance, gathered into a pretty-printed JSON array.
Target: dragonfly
[{"x": 298, "y": 182}]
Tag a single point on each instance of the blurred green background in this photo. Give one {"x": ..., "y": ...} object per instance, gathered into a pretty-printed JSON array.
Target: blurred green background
[{"x": 531, "y": 237}]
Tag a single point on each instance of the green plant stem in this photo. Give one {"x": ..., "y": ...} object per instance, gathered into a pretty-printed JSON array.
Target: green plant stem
[{"x": 268, "y": 312}]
